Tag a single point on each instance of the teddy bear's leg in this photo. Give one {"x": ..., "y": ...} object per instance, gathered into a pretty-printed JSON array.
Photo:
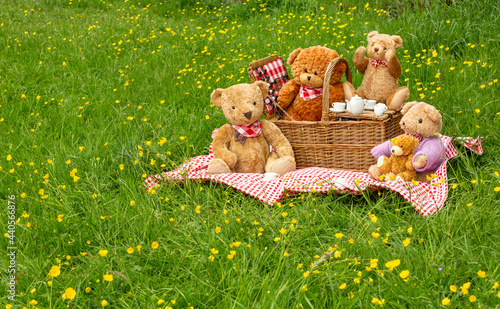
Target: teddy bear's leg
[
  {"x": 349, "y": 90},
  {"x": 390, "y": 176},
  {"x": 218, "y": 166},
  {"x": 360, "y": 92},
  {"x": 407, "y": 175},
  {"x": 292, "y": 114},
  {"x": 396, "y": 99},
  {"x": 424, "y": 177},
  {"x": 278, "y": 165},
  {"x": 376, "y": 173}
]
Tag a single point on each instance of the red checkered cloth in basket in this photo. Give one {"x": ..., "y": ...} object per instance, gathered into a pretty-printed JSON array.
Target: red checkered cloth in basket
[
  {"x": 308, "y": 93},
  {"x": 275, "y": 75},
  {"x": 425, "y": 198},
  {"x": 274, "y": 70}
]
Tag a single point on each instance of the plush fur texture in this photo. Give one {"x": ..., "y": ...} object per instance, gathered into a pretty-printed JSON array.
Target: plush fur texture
[
  {"x": 308, "y": 69},
  {"x": 380, "y": 82},
  {"x": 399, "y": 164},
  {"x": 243, "y": 104},
  {"x": 421, "y": 119}
]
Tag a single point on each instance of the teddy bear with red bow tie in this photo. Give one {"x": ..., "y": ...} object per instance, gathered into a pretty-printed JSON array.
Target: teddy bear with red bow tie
[
  {"x": 381, "y": 70},
  {"x": 243, "y": 145}
]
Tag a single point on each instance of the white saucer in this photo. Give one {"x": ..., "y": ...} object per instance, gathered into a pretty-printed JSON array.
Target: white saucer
[{"x": 336, "y": 111}]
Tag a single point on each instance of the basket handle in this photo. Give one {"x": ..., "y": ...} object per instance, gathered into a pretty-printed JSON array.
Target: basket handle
[{"x": 326, "y": 84}]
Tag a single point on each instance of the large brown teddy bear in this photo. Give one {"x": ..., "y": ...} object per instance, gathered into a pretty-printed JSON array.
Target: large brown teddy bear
[
  {"x": 243, "y": 145},
  {"x": 301, "y": 97},
  {"x": 381, "y": 71},
  {"x": 399, "y": 164},
  {"x": 422, "y": 121}
]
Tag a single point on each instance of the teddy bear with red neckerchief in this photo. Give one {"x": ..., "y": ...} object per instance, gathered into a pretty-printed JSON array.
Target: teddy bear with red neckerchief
[
  {"x": 243, "y": 145},
  {"x": 381, "y": 70},
  {"x": 302, "y": 97}
]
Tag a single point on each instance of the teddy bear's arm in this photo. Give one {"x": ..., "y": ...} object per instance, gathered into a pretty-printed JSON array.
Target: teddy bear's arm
[
  {"x": 384, "y": 164},
  {"x": 409, "y": 162},
  {"x": 431, "y": 154},
  {"x": 336, "y": 93},
  {"x": 288, "y": 93},
  {"x": 360, "y": 60},
  {"x": 276, "y": 138},
  {"x": 393, "y": 64},
  {"x": 221, "y": 145}
]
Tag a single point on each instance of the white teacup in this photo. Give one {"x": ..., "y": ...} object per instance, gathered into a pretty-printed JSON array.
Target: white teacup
[
  {"x": 370, "y": 104},
  {"x": 379, "y": 109},
  {"x": 338, "y": 106}
]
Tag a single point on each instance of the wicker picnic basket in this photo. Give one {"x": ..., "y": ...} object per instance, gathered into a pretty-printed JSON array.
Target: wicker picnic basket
[{"x": 338, "y": 141}]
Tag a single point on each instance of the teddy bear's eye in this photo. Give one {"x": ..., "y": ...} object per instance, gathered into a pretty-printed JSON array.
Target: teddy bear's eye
[
  {"x": 305, "y": 70},
  {"x": 234, "y": 107},
  {"x": 254, "y": 103},
  {"x": 420, "y": 121},
  {"x": 385, "y": 48},
  {"x": 315, "y": 73}
]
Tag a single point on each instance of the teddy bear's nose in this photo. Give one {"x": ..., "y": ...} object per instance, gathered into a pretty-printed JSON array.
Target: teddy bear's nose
[
  {"x": 376, "y": 49},
  {"x": 248, "y": 115},
  {"x": 392, "y": 150},
  {"x": 309, "y": 78}
]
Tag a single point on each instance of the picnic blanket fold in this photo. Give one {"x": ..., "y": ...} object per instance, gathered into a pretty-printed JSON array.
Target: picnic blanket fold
[{"x": 426, "y": 198}]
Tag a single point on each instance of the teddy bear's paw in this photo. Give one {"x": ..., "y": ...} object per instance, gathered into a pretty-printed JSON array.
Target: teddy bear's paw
[
  {"x": 218, "y": 166},
  {"x": 420, "y": 161},
  {"x": 282, "y": 166}
]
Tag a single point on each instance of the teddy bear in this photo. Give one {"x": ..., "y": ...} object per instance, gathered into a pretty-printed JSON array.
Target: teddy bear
[
  {"x": 302, "y": 96},
  {"x": 423, "y": 121},
  {"x": 243, "y": 145},
  {"x": 381, "y": 70},
  {"x": 399, "y": 164}
]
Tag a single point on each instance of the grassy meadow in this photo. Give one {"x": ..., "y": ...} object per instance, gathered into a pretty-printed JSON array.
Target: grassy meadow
[{"x": 96, "y": 95}]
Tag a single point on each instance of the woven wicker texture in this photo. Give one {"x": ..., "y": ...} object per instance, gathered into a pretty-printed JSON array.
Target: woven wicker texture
[{"x": 335, "y": 144}]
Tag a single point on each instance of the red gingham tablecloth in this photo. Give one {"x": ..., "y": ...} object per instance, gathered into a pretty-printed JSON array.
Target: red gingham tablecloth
[{"x": 425, "y": 198}]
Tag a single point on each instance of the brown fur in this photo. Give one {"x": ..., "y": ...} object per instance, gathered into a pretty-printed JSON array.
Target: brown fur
[
  {"x": 315, "y": 60},
  {"x": 381, "y": 83},
  {"x": 399, "y": 164},
  {"x": 230, "y": 156},
  {"x": 430, "y": 125}
]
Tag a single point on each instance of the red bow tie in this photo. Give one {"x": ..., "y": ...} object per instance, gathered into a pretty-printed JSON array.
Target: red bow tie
[{"x": 376, "y": 63}]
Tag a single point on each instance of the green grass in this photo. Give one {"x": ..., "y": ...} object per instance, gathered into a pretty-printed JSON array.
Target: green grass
[{"x": 90, "y": 88}]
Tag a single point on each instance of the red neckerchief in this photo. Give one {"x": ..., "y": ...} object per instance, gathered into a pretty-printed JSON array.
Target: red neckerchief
[
  {"x": 376, "y": 62},
  {"x": 420, "y": 138},
  {"x": 241, "y": 132},
  {"x": 308, "y": 93}
]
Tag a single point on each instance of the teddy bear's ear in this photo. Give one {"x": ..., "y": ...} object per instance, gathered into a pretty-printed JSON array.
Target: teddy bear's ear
[
  {"x": 216, "y": 97},
  {"x": 263, "y": 88},
  {"x": 433, "y": 114},
  {"x": 397, "y": 40},
  {"x": 293, "y": 55},
  {"x": 407, "y": 107},
  {"x": 372, "y": 34}
]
